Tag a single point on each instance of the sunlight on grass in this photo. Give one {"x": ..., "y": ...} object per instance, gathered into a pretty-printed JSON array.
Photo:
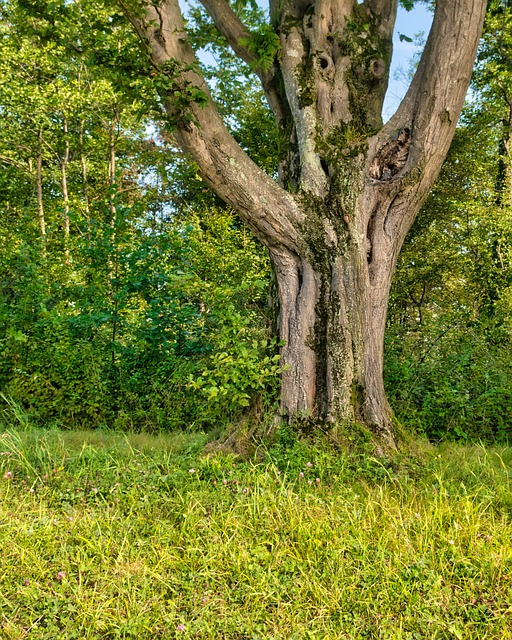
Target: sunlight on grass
[{"x": 112, "y": 536}]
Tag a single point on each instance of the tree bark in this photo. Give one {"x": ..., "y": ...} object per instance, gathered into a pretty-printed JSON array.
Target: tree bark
[
  {"x": 39, "y": 193},
  {"x": 112, "y": 167},
  {"x": 332, "y": 321},
  {"x": 349, "y": 189},
  {"x": 64, "y": 161},
  {"x": 83, "y": 167}
]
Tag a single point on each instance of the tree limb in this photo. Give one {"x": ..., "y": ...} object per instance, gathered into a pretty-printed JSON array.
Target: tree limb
[
  {"x": 268, "y": 210},
  {"x": 231, "y": 27},
  {"x": 432, "y": 105},
  {"x": 418, "y": 136},
  {"x": 426, "y": 119},
  {"x": 234, "y": 30},
  {"x": 15, "y": 163},
  {"x": 385, "y": 12}
]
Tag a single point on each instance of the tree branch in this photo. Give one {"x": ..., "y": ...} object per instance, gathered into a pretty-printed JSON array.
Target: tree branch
[
  {"x": 234, "y": 30},
  {"x": 385, "y": 12},
  {"x": 15, "y": 163},
  {"x": 405, "y": 157},
  {"x": 231, "y": 27},
  {"x": 268, "y": 210},
  {"x": 432, "y": 105}
]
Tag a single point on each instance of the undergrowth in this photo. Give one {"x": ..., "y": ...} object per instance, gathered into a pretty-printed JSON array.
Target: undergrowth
[{"x": 105, "y": 535}]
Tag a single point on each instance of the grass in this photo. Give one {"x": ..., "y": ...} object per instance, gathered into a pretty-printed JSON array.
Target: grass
[{"x": 111, "y": 536}]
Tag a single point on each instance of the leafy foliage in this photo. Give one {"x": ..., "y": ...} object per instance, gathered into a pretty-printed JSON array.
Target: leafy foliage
[
  {"x": 120, "y": 344},
  {"x": 448, "y": 368},
  {"x": 115, "y": 321},
  {"x": 265, "y": 44}
]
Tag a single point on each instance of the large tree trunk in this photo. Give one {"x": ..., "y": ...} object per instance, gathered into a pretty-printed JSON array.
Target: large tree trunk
[
  {"x": 332, "y": 321},
  {"x": 349, "y": 187},
  {"x": 334, "y": 291}
]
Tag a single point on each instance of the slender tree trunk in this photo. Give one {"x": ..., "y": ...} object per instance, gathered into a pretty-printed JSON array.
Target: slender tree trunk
[
  {"x": 83, "y": 163},
  {"x": 64, "y": 181},
  {"x": 112, "y": 169},
  {"x": 39, "y": 193},
  {"x": 83, "y": 166},
  {"x": 507, "y": 158},
  {"x": 114, "y": 258}
]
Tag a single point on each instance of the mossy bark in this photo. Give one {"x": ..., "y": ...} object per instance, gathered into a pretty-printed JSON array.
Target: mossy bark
[
  {"x": 333, "y": 294},
  {"x": 332, "y": 321}
]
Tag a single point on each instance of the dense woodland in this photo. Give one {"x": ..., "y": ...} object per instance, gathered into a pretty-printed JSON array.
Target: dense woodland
[{"x": 132, "y": 298}]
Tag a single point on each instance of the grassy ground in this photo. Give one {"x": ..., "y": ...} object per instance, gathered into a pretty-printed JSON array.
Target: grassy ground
[{"x": 109, "y": 536}]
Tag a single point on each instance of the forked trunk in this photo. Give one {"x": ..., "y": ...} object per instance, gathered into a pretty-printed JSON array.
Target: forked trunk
[{"x": 349, "y": 187}]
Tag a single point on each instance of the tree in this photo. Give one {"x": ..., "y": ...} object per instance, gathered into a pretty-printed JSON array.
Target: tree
[{"x": 349, "y": 187}]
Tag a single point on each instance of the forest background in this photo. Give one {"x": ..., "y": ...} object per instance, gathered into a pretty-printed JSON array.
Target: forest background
[{"x": 130, "y": 297}]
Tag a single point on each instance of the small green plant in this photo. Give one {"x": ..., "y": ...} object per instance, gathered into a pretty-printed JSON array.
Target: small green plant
[
  {"x": 265, "y": 44},
  {"x": 237, "y": 374},
  {"x": 14, "y": 414}
]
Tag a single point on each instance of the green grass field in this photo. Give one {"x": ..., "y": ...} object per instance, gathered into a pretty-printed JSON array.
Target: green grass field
[{"x": 111, "y": 536}]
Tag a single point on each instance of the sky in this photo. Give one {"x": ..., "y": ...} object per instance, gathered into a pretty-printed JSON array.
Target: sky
[{"x": 408, "y": 23}]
